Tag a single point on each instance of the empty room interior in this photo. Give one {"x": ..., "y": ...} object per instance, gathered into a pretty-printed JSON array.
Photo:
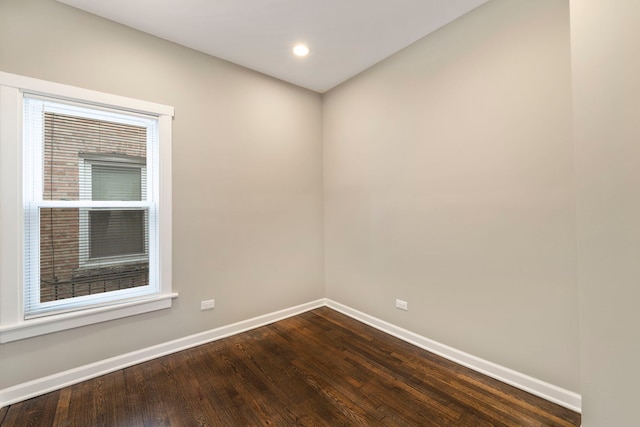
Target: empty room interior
[{"x": 473, "y": 191}]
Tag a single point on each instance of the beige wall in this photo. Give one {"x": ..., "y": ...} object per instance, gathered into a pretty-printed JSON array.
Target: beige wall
[
  {"x": 448, "y": 173},
  {"x": 247, "y": 179},
  {"x": 606, "y": 87}
]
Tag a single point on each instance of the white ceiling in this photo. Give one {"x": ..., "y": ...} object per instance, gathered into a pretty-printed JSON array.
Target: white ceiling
[{"x": 345, "y": 36}]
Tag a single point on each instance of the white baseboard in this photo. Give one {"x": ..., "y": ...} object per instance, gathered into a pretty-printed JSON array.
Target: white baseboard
[
  {"x": 57, "y": 381},
  {"x": 49, "y": 383},
  {"x": 547, "y": 391}
]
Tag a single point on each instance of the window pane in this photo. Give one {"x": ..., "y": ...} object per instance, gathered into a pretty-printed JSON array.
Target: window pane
[
  {"x": 58, "y": 252},
  {"x": 62, "y": 277},
  {"x": 116, "y": 233},
  {"x": 92, "y": 251},
  {"x": 116, "y": 183},
  {"x": 67, "y": 138}
]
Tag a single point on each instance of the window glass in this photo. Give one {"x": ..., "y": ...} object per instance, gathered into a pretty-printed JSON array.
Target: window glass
[
  {"x": 116, "y": 233},
  {"x": 116, "y": 183}
]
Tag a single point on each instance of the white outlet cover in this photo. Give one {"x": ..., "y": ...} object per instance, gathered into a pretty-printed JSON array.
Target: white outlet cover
[
  {"x": 402, "y": 305},
  {"x": 207, "y": 305}
]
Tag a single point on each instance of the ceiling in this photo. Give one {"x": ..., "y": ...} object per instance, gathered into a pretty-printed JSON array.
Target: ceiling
[{"x": 345, "y": 36}]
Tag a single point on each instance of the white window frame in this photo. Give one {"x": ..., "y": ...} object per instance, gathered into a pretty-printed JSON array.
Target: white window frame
[
  {"x": 13, "y": 324},
  {"x": 33, "y": 161},
  {"x": 85, "y": 164}
]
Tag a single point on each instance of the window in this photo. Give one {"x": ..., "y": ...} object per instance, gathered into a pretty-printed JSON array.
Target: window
[
  {"x": 112, "y": 236},
  {"x": 92, "y": 219}
]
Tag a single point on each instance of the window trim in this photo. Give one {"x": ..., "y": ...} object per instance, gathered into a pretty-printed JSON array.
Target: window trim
[{"x": 13, "y": 325}]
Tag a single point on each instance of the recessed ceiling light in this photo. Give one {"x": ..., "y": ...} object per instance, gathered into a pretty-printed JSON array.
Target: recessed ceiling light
[{"x": 300, "y": 50}]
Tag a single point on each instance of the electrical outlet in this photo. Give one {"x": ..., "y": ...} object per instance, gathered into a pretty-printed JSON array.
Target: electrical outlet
[
  {"x": 402, "y": 305},
  {"x": 207, "y": 305}
]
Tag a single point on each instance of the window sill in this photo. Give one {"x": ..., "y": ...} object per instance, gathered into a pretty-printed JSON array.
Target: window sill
[
  {"x": 112, "y": 262},
  {"x": 59, "y": 322}
]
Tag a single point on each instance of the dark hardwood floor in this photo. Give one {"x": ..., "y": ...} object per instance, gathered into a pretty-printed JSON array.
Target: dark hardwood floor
[{"x": 318, "y": 368}]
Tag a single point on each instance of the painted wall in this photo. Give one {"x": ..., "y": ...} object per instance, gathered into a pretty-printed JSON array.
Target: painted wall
[
  {"x": 247, "y": 179},
  {"x": 606, "y": 85},
  {"x": 449, "y": 183},
  {"x": 448, "y": 174}
]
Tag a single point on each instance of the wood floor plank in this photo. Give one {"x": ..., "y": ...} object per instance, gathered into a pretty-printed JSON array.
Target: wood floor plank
[
  {"x": 320, "y": 368},
  {"x": 204, "y": 401},
  {"x": 224, "y": 374},
  {"x": 342, "y": 364},
  {"x": 326, "y": 364},
  {"x": 184, "y": 397},
  {"x": 146, "y": 383},
  {"x": 33, "y": 412},
  {"x": 379, "y": 360},
  {"x": 457, "y": 380},
  {"x": 211, "y": 393}
]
